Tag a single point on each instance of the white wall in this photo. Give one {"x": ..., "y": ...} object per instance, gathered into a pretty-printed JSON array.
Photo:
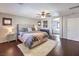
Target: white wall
[{"x": 17, "y": 19}]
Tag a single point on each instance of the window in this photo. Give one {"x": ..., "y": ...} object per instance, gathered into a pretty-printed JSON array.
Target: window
[
  {"x": 56, "y": 23},
  {"x": 45, "y": 24},
  {"x": 56, "y": 26}
]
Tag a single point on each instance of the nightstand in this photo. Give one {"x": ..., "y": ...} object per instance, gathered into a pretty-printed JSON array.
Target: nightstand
[{"x": 11, "y": 37}]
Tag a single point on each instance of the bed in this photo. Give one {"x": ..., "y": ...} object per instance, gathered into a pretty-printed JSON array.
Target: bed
[{"x": 31, "y": 38}]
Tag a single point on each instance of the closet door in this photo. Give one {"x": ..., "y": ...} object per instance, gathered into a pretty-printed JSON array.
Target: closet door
[{"x": 73, "y": 29}]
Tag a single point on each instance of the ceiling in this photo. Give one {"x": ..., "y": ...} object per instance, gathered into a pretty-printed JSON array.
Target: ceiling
[{"x": 32, "y": 9}]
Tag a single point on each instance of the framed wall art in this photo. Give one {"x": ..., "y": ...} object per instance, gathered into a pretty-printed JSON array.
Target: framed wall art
[{"x": 6, "y": 21}]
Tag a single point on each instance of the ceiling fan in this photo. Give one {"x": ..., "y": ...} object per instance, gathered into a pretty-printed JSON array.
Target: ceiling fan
[{"x": 44, "y": 14}]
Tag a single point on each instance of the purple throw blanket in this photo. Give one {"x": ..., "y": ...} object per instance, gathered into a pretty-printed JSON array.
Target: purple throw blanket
[{"x": 27, "y": 39}]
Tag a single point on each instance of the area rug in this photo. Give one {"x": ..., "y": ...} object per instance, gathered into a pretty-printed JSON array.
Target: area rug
[{"x": 41, "y": 50}]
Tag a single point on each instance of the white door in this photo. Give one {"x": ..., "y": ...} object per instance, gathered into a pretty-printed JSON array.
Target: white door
[{"x": 73, "y": 29}]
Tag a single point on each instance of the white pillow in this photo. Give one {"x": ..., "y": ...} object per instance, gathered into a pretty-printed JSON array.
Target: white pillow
[{"x": 29, "y": 29}]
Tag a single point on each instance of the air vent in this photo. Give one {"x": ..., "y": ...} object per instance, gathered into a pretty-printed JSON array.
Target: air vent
[
  {"x": 74, "y": 7},
  {"x": 20, "y": 3}
]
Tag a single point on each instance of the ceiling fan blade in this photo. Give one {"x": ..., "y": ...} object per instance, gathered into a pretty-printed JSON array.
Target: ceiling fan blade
[{"x": 48, "y": 14}]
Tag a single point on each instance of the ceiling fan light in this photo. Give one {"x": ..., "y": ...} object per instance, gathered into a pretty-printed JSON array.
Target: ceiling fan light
[{"x": 43, "y": 17}]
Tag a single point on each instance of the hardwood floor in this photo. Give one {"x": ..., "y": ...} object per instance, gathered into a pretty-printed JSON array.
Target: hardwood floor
[
  {"x": 10, "y": 49},
  {"x": 64, "y": 48}
]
